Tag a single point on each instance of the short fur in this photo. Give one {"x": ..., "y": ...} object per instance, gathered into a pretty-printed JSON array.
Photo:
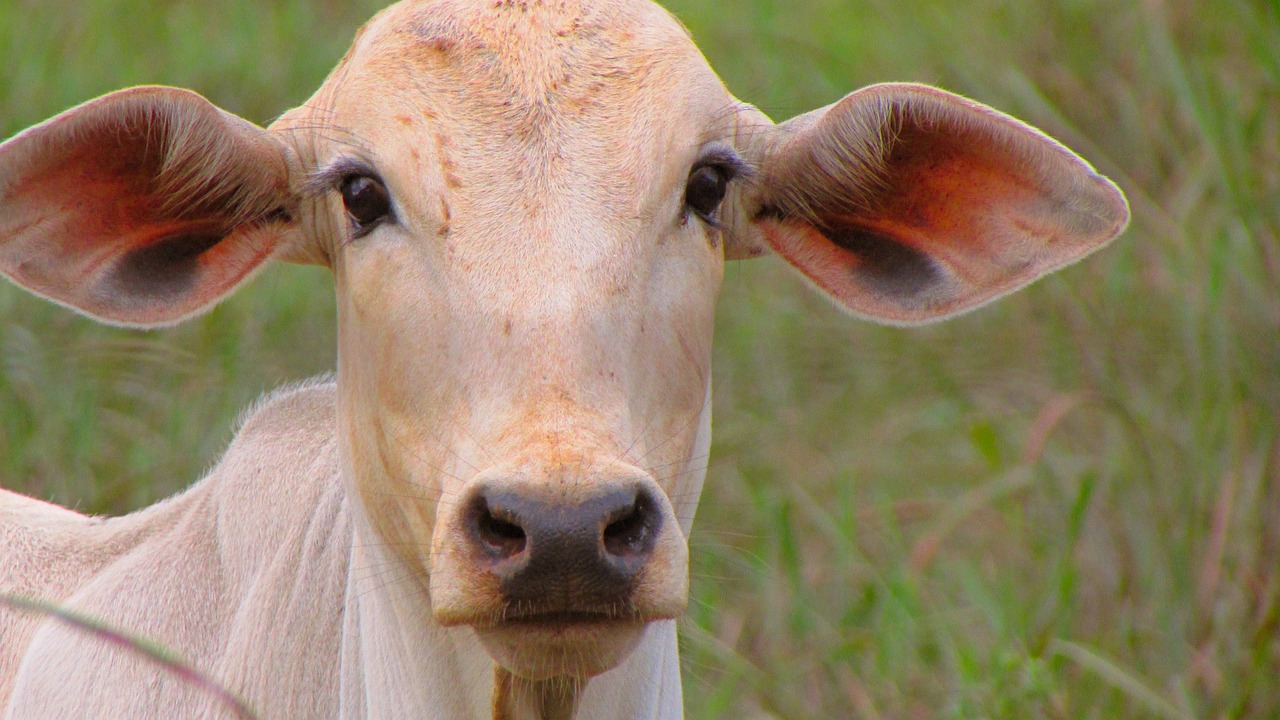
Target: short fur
[{"x": 532, "y": 318}]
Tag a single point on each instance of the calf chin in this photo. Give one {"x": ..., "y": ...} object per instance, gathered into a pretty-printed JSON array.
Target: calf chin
[{"x": 541, "y": 650}]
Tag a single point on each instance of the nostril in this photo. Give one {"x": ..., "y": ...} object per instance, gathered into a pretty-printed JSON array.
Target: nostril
[
  {"x": 630, "y": 532},
  {"x": 499, "y": 536}
]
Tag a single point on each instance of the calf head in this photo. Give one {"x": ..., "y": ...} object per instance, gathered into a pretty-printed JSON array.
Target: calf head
[{"x": 527, "y": 210}]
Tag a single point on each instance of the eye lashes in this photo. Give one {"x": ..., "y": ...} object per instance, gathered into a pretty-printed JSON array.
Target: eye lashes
[
  {"x": 726, "y": 159},
  {"x": 327, "y": 178}
]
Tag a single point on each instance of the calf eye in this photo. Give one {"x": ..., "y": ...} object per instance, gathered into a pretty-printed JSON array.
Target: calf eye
[
  {"x": 367, "y": 201},
  {"x": 705, "y": 190}
]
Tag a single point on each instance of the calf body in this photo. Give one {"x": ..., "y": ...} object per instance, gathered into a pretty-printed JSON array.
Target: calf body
[{"x": 527, "y": 208}]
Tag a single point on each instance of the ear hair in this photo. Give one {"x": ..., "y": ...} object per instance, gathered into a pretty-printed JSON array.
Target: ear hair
[
  {"x": 841, "y": 170},
  {"x": 841, "y": 160},
  {"x": 200, "y": 171}
]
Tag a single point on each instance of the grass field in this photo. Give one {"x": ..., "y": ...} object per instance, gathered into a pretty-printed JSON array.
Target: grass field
[{"x": 1066, "y": 505}]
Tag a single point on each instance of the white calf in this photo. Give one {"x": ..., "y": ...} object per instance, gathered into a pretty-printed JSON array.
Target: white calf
[{"x": 527, "y": 207}]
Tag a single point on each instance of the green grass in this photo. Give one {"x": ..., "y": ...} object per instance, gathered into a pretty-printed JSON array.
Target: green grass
[{"x": 1066, "y": 505}]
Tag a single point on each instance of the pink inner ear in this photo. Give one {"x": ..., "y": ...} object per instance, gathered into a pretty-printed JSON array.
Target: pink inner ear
[
  {"x": 140, "y": 207},
  {"x": 957, "y": 194},
  {"x": 100, "y": 198},
  {"x": 100, "y": 209}
]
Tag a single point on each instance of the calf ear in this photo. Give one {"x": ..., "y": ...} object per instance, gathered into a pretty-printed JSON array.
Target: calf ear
[
  {"x": 907, "y": 204},
  {"x": 142, "y": 207}
]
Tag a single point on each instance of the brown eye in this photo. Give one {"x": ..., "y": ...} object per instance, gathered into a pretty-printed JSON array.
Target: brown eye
[
  {"x": 705, "y": 190},
  {"x": 367, "y": 201}
]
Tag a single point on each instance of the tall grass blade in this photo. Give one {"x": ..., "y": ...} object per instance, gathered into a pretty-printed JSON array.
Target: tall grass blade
[
  {"x": 132, "y": 643},
  {"x": 1117, "y": 677}
]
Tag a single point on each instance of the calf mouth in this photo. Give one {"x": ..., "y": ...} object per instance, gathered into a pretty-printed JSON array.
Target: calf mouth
[
  {"x": 520, "y": 614},
  {"x": 558, "y": 619},
  {"x": 563, "y": 620},
  {"x": 542, "y": 644}
]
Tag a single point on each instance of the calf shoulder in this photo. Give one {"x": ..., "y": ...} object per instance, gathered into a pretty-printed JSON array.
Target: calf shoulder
[{"x": 242, "y": 576}]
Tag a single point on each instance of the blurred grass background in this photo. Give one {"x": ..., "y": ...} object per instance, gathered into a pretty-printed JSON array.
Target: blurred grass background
[{"x": 1066, "y": 505}]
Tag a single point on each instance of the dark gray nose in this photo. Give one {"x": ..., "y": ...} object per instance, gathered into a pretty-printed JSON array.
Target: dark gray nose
[{"x": 564, "y": 554}]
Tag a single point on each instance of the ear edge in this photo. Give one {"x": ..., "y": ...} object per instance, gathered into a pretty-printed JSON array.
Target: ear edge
[{"x": 1099, "y": 211}]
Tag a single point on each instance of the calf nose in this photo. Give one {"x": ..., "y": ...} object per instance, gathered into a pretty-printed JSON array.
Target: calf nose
[{"x": 564, "y": 553}]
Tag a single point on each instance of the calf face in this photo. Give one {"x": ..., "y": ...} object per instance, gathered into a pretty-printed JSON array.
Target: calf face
[{"x": 527, "y": 208}]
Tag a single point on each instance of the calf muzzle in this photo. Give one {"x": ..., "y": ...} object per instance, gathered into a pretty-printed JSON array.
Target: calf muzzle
[{"x": 579, "y": 554}]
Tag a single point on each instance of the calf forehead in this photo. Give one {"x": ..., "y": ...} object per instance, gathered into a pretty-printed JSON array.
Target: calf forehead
[
  {"x": 539, "y": 55},
  {"x": 533, "y": 79}
]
